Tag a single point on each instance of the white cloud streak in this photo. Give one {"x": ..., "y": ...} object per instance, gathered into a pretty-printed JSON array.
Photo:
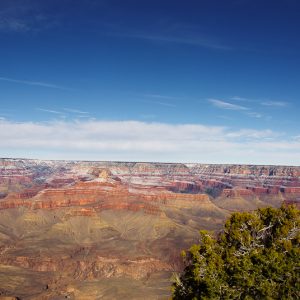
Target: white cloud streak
[
  {"x": 254, "y": 134},
  {"x": 76, "y": 111},
  {"x": 23, "y": 16},
  {"x": 50, "y": 111},
  {"x": 274, "y": 103},
  {"x": 226, "y": 105},
  {"x": 161, "y": 103},
  {"x": 145, "y": 141},
  {"x": 193, "y": 41},
  {"x": 237, "y": 98},
  {"x": 13, "y": 25},
  {"x": 34, "y": 83},
  {"x": 254, "y": 114}
]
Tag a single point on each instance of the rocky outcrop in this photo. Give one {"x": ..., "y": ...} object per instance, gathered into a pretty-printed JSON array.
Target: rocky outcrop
[
  {"x": 103, "y": 196},
  {"x": 95, "y": 267},
  {"x": 138, "y": 186},
  {"x": 186, "y": 187},
  {"x": 237, "y": 192}
]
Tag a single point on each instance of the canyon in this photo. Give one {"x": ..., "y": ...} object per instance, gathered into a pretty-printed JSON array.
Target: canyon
[{"x": 115, "y": 230}]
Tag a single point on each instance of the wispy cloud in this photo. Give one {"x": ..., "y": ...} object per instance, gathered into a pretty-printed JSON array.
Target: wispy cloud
[
  {"x": 50, "y": 111},
  {"x": 254, "y": 114},
  {"x": 147, "y": 141},
  {"x": 162, "y": 103},
  {"x": 274, "y": 103},
  {"x": 76, "y": 111},
  {"x": 19, "y": 16},
  {"x": 14, "y": 16},
  {"x": 185, "y": 40},
  {"x": 34, "y": 83},
  {"x": 237, "y": 98},
  {"x": 269, "y": 103},
  {"x": 13, "y": 25},
  {"x": 248, "y": 111},
  {"x": 158, "y": 99},
  {"x": 226, "y": 105},
  {"x": 254, "y": 134}
]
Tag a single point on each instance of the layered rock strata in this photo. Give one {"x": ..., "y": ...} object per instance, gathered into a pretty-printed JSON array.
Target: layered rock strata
[{"x": 76, "y": 223}]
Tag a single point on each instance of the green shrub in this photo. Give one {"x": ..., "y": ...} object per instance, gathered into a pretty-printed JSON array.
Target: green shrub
[{"x": 256, "y": 256}]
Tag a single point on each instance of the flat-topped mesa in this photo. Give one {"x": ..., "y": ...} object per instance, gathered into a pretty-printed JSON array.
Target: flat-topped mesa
[
  {"x": 52, "y": 184},
  {"x": 104, "y": 195},
  {"x": 160, "y": 169},
  {"x": 123, "y": 168},
  {"x": 256, "y": 170}
]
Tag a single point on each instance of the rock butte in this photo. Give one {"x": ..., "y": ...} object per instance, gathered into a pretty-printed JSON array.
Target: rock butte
[{"x": 114, "y": 230}]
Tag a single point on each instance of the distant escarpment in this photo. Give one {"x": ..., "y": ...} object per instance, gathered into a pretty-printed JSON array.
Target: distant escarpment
[{"x": 83, "y": 229}]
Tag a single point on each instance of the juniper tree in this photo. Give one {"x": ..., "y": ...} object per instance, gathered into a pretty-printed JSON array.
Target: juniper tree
[{"x": 256, "y": 256}]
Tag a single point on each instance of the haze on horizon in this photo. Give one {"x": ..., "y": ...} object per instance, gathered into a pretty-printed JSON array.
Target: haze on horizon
[{"x": 170, "y": 81}]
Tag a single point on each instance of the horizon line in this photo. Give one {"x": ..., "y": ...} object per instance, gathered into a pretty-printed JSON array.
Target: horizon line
[{"x": 150, "y": 162}]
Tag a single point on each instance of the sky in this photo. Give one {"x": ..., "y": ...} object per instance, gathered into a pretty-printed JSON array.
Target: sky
[{"x": 202, "y": 81}]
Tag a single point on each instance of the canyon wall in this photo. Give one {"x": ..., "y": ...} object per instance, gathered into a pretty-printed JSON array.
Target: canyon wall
[{"x": 67, "y": 224}]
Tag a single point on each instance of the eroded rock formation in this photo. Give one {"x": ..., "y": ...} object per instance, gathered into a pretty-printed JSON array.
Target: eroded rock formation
[{"x": 65, "y": 225}]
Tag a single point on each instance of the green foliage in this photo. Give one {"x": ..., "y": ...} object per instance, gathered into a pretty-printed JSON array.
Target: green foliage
[{"x": 256, "y": 256}]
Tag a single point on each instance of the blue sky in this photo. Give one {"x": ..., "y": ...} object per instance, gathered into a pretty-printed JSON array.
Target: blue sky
[{"x": 183, "y": 81}]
